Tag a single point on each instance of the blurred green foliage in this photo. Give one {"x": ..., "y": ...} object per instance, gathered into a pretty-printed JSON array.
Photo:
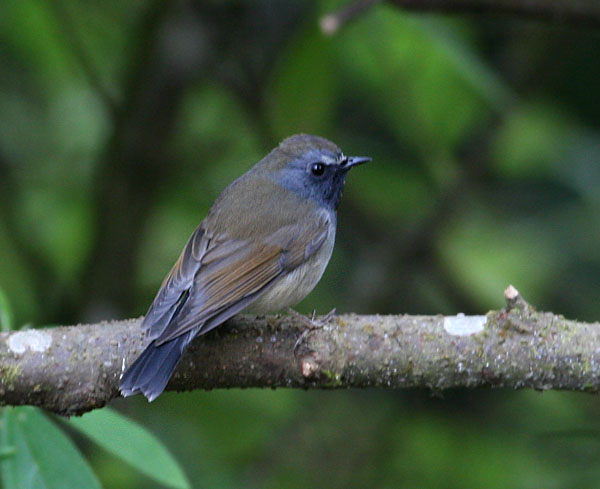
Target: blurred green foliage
[
  {"x": 39, "y": 455},
  {"x": 122, "y": 121}
]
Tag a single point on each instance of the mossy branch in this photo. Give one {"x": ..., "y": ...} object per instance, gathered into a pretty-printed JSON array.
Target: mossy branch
[{"x": 73, "y": 369}]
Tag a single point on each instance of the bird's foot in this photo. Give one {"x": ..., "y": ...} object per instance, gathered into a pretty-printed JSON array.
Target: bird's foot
[{"x": 312, "y": 324}]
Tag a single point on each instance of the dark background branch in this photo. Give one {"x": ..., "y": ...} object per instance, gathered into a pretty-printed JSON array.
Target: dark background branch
[{"x": 579, "y": 12}]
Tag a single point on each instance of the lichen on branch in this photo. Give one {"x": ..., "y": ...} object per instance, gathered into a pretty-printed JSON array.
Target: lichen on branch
[{"x": 74, "y": 369}]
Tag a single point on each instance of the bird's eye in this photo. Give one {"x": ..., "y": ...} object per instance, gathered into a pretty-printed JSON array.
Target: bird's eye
[{"x": 317, "y": 169}]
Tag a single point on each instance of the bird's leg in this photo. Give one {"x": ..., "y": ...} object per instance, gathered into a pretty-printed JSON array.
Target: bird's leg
[
  {"x": 329, "y": 316},
  {"x": 311, "y": 323}
]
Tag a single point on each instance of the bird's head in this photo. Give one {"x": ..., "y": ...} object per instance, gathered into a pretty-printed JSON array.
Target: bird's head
[{"x": 312, "y": 167}]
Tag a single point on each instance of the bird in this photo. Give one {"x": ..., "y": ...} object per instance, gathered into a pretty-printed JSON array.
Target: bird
[{"x": 262, "y": 247}]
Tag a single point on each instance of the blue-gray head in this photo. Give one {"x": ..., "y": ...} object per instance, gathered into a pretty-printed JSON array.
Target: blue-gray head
[{"x": 312, "y": 167}]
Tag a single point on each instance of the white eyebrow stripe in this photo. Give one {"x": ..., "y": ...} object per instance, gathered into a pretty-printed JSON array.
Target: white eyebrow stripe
[{"x": 336, "y": 160}]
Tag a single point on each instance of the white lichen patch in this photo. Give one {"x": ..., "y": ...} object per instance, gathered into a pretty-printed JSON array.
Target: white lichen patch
[
  {"x": 461, "y": 325},
  {"x": 30, "y": 339}
]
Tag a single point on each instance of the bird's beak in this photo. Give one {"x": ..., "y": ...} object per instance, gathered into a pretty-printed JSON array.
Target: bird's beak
[{"x": 356, "y": 160}]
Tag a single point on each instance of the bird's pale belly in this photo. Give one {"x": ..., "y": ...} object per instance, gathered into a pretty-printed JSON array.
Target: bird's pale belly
[{"x": 296, "y": 285}]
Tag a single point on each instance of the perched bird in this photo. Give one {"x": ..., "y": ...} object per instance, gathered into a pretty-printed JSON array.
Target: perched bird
[{"x": 263, "y": 247}]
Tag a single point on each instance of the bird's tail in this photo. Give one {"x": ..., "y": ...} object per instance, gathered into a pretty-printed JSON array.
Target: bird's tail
[{"x": 151, "y": 371}]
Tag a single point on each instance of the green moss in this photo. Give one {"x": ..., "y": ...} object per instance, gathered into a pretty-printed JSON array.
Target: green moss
[
  {"x": 334, "y": 379},
  {"x": 590, "y": 388},
  {"x": 8, "y": 375},
  {"x": 341, "y": 322},
  {"x": 368, "y": 329}
]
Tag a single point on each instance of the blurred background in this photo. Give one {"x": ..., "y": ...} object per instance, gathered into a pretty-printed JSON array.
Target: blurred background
[{"x": 120, "y": 123}]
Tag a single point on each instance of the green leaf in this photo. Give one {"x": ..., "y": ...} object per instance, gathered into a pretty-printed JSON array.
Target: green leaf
[
  {"x": 133, "y": 443},
  {"x": 43, "y": 456},
  {"x": 422, "y": 79},
  {"x": 6, "y": 452},
  {"x": 6, "y": 314}
]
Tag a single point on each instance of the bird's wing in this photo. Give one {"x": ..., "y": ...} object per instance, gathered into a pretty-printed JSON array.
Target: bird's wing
[
  {"x": 215, "y": 279},
  {"x": 175, "y": 287}
]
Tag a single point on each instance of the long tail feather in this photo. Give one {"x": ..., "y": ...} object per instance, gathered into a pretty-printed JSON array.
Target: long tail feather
[{"x": 151, "y": 371}]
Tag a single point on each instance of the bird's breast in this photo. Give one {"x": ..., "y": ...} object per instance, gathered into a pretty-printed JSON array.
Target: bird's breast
[{"x": 295, "y": 285}]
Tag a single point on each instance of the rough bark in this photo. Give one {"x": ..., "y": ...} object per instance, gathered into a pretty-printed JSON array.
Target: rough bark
[{"x": 70, "y": 370}]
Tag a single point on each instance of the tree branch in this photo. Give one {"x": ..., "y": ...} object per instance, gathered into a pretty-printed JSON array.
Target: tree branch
[
  {"x": 578, "y": 12},
  {"x": 70, "y": 370}
]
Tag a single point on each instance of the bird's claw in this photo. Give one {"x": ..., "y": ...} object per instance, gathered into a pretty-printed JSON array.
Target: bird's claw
[{"x": 311, "y": 323}]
